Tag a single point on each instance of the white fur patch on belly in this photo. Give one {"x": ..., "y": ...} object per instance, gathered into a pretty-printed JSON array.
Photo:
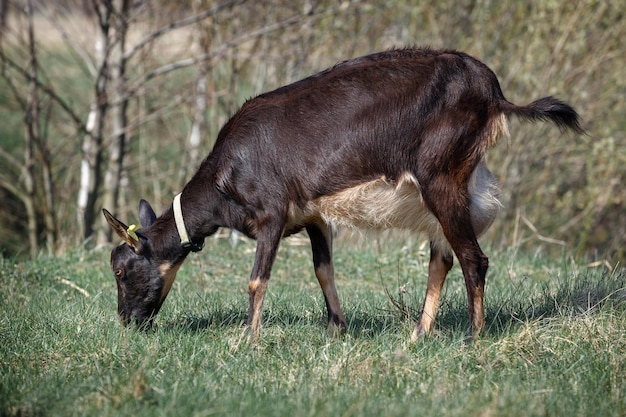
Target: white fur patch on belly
[
  {"x": 381, "y": 204},
  {"x": 375, "y": 205}
]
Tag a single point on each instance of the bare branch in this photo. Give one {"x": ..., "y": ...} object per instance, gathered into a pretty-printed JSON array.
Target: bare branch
[
  {"x": 107, "y": 6},
  {"x": 179, "y": 24},
  {"x": 70, "y": 40},
  {"x": 74, "y": 286},
  {"x": 226, "y": 46},
  {"x": 540, "y": 236},
  {"x": 46, "y": 89},
  {"x": 12, "y": 86},
  {"x": 10, "y": 160},
  {"x": 10, "y": 185}
]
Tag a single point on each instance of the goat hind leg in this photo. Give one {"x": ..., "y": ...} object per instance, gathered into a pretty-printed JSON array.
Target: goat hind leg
[
  {"x": 456, "y": 224},
  {"x": 474, "y": 268},
  {"x": 474, "y": 264}
]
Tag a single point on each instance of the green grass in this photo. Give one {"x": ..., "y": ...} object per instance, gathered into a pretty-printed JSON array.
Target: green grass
[{"x": 555, "y": 342}]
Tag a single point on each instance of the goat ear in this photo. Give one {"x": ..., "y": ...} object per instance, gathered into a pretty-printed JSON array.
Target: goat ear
[
  {"x": 126, "y": 233},
  {"x": 146, "y": 213}
]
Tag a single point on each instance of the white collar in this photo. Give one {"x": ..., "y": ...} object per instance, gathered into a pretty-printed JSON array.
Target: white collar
[
  {"x": 185, "y": 242},
  {"x": 180, "y": 223}
]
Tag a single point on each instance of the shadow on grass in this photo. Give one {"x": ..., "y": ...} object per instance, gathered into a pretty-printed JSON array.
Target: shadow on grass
[
  {"x": 584, "y": 294},
  {"x": 217, "y": 318},
  {"x": 361, "y": 323}
]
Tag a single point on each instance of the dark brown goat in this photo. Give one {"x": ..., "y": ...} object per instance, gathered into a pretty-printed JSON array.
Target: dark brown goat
[{"x": 390, "y": 140}]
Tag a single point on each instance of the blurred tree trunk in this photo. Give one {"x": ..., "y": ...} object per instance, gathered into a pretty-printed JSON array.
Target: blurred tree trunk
[
  {"x": 30, "y": 121},
  {"x": 201, "y": 41},
  {"x": 35, "y": 140},
  {"x": 37, "y": 143},
  {"x": 35, "y": 172},
  {"x": 31, "y": 180},
  {"x": 119, "y": 118},
  {"x": 91, "y": 162},
  {"x": 4, "y": 11}
]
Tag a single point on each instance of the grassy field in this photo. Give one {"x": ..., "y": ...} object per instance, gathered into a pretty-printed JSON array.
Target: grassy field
[{"x": 555, "y": 342}]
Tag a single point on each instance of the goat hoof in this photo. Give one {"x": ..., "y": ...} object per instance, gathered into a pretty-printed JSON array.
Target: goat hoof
[
  {"x": 336, "y": 329},
  {"x": 420, "y": 333}
]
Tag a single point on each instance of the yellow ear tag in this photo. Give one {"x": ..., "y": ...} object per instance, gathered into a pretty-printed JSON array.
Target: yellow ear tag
[{"x": 131, "y": 232}]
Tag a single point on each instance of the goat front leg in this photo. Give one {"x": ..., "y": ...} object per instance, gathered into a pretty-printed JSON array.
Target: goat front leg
[
  {"x": 320, "y": 235},
  {"x": 438, "y": 267},
  {"x": 266, "y": 249}
]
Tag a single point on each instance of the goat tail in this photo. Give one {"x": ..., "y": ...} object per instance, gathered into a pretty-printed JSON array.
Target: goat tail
[{"x": 547, "y": 109}]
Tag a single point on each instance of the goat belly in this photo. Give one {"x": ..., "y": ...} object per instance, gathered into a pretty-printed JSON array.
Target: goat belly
[
  {"x": 378, "y": 205},
  {"x": 382, "y": 204}
]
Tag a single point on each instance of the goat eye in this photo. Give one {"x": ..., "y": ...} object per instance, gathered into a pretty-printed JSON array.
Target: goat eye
[{"x": 119, "y": 273}]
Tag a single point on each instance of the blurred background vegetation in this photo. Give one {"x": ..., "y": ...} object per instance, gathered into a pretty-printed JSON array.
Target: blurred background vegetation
[{"x": 105, "y": 102}]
